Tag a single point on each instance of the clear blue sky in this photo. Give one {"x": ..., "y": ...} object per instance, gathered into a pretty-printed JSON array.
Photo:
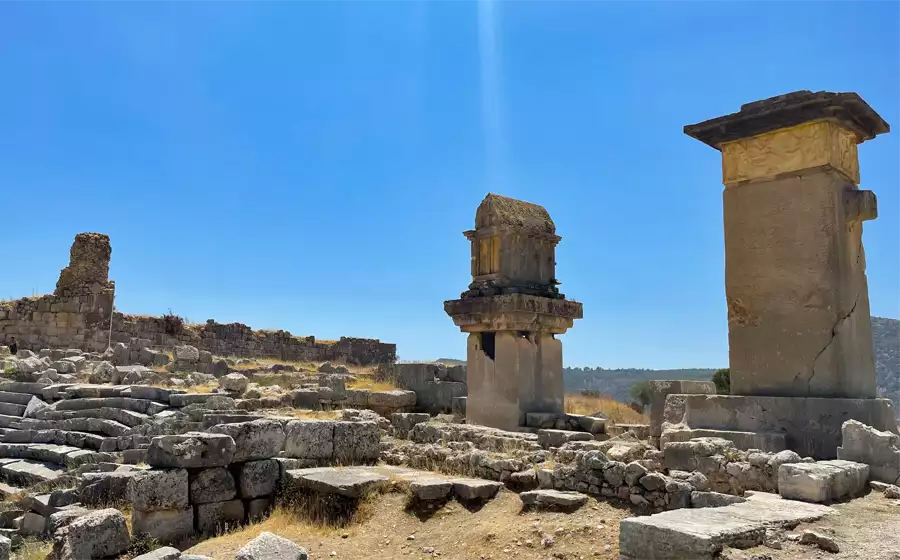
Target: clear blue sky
[{"x": 311, "y": 166}]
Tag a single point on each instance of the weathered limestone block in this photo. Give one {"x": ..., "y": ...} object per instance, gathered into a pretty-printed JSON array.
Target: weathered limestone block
[
  {"x": 660, "y": 389},
  {"x": 258, "y": 478},
  {"x": 186, "y": 354},
  {"x": 268, "y": 546},
  {"x": 880, "y": 450},
  {"x": 557, "y": 438},
  {"x": 823, "y": 481},
  {"x": 430, "y": 489},
  {"x": 212, "y": 485},
  {"x": 163, "y": 553},
  {"x": 391, "y": 399},
  {"x": 104, "y": 488},
  {"x": 553, "y": 499},
  {"x": 159, "y": 489},
  {"x": 234, "y": 382},
  {"x": 305, "y": 439},
  {"x": 164, "y": 525},
  {"x": 100, "y": 534},
  {"x": 403, "y": 422},
  {"x": 714, "y": 499},
  {"x": 191, "y": 450},
  {"x": 347, "y": 482},
  {"x": 356, "y": 442},
  {"x": 258, "y": 439},
  {"x": 219, "y": 516}
]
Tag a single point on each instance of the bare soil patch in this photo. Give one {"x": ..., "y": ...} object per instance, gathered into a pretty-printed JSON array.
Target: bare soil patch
[{"x": 497, "y": 531}]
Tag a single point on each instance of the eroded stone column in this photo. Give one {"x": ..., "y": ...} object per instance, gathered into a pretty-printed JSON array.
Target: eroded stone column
[{"x": 795, "y": 282}]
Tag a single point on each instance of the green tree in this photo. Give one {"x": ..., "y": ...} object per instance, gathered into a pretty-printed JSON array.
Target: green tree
[
  {"x": 722, "y": 379},
  {"x": 640, "y": 392}
]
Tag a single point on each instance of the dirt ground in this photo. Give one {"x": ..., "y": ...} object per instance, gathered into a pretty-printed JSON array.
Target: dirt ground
[
  {"x": 867, "y": 528},
  {"x": 498, "y": 531}
]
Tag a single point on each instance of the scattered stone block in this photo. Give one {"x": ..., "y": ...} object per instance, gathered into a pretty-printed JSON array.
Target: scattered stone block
[
  {"x": 880, "y": 450},
  {"x": 403, "y": 422},
  {"x": 269, "y": 546},
  {"x": 164, "y": 525},
  {"x": 258, "y": 478},
  {"x": 191, "y": 450},
  {"x": 823, "y": 481},
  {"x": 474, "y": 489},
  {"x": 32, "y": 524},
  {"x": 347, "y": 482},
  {"x": 186, "y": 354},
  {"x": 212, "y": 485},
  {"x": 234, "y": 382},
  {"x": 164, "y": 553},
  {"x": 821, "y": 540},
  {"x": 429, "y": 489},
  {"x": 553, "y": 499},
  {"x": 257, "y": 439},
  {"x": 557, "y": 438},
  {"x": 100, "y": 534},
  {"x": 714, "y": 499},
  {"x": 701, "y": 533},
  {"x": 159, "y": 489}
]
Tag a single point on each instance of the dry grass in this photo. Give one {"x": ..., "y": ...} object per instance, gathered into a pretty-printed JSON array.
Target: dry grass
[
  {"x": 33, "y": 550},
  {"x": 620, "y": 413},
  {"x": 366, "y": 381}
]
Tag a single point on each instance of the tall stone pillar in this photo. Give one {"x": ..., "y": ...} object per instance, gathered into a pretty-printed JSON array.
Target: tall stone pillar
[
  {"x": 795, "y": 282},
  {"x": 513, "y": 312}
]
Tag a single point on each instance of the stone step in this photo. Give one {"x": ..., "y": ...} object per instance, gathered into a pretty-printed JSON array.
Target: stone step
[
  {"x": 80, "y": 440},
  {"x": 11, "y": 409},
  {"x": 35, "y": 389},
  {"x": 91, "y": 425},
  {"x": 27, "y": 472},
  {"x": 15, "y": 398},
  {"x": 700, "y": 534},
  {"x": 9, "y": 421},
  {"x": 348, "y": 482},
  {"x": 135, "y": 405},
  {"x": 85, "y": 391},
  {"x": 62, "y": 455},
  {"x": 186, "y": 399},
  {"x": 121, "y": 415},
  {"x": 770, "y": 442}
]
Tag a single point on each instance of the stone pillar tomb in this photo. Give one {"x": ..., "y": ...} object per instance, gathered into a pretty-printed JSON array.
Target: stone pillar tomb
[
  {"x": 800, "y": 341},
  {"x": 513, "y": 312}
]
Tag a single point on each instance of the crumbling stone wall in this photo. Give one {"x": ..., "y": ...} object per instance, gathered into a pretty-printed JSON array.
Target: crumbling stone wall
[{"x": 78, "y": 314}]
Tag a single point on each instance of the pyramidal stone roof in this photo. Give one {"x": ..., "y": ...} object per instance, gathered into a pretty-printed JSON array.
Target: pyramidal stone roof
[{"x": 502, "y": 211}]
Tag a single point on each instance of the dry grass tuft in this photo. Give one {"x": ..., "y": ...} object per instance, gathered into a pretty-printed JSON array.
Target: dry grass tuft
[
  {"x": 33, "y": 550},
  {"x": 367, "y": 381},
  {"x": 620, "y": 413}
]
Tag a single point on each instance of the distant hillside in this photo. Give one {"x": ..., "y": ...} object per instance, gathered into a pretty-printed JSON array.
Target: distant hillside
[
  {"x": 618, "y": 382},
  {"x": 886, "y": 335}
]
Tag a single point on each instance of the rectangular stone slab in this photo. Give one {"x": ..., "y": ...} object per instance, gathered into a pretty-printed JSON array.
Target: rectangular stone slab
[
  {"x": 700, "y": 534},
  {"x": 351, "y": 483}
]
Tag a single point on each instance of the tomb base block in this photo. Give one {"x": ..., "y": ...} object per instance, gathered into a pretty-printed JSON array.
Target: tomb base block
[{"x": 811, "y": 426}]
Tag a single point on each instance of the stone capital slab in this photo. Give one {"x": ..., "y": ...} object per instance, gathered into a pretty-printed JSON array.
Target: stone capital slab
[
  {"x": 513, "y": 312},
  {"x": 795, "y": 133}
]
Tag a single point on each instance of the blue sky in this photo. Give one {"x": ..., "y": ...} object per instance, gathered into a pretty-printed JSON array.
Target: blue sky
[{"x": 311, "y": 166}]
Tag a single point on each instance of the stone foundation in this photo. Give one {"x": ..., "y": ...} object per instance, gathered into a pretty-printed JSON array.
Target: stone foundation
[{"x": 811, "y": 426}]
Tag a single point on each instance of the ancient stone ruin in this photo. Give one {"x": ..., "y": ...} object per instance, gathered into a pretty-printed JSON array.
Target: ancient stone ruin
[
  {"x": 513, "y": 312},
  {"x": 194, "y": 442},
  {"x": 78, "y": 315},
  {"x": 800, "y": 341}
]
